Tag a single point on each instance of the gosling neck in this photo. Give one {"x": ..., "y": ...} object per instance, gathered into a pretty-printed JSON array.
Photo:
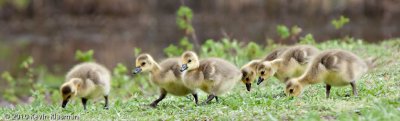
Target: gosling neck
[
  {"x": 156, "y": 68},
  {"x": 305, "y": 79}
]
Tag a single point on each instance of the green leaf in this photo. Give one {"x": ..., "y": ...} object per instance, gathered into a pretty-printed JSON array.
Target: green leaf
[
  {"x": 184, "y": 43},
  {"x": 184, "y": 18},
  {"x": 7, "y": 76},
  {"x": 308, "y": 39},
  {"x": 172, "y": 50},
  {"x": 27, "y": 62},
  {"x": 296, "y": 30},
  {"x": 283, "y": 31},
  {"x": 120, "y": 69},
  {"x": 84, "y": 56},
  {"x": 339, "y": 23},
  {"x": 137, "y": 51}
]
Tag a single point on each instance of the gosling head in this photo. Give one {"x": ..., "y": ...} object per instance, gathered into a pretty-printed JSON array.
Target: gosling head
[
  {"x": 144, "y": 63},
  {"x": 247, "y": 77},
  {"x": 293, "y": 87},
  {"x": 248, "y": 73},
  {"x": 189, "y": 61},
  {"x": 267, "y": 69},
  {"x": 69, "y": 90}
]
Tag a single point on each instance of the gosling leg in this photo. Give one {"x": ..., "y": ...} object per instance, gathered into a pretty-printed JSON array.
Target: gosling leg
[
  {"x": 196, "y": 98},
  {"x": 106, "y": 102},
  {"x": 162, "y": 96},
  {"x": 328, "y": 90},
  {"x": 84, "y": 101},
  {"x": 210, "y": 97},
  {"x": 353, "y": 85}
]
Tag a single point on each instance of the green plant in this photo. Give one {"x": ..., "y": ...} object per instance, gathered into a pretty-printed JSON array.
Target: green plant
[
  {"x": 253, "y": 50},
  {"x": 9, "y": 92},
  {"x": 27, "y": 66},
  {"x": 119, "y": 75},
  {"x": 213, "y": 49},
  {"x": 232, "y": 50},
  {"x": 184, "y": 43},
  {"x": 84, "y": 56},
  {"x": 136, "y": 51},
  {"x": 173, "y": 50},
  {"x": 122, "y": 81},
  {"x": 295, "y": 30},
  {"x": 308, "y": 39},
  {"x": 339, "y": 23},
  {"x": 288, "y": 34},
  {"x": 38, "y": 89},
  {"x": 283, "y": 31},
  {"x": 184, "y": 19}
]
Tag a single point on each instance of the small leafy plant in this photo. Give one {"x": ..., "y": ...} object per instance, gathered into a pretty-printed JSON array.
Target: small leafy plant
[
  {"x": 308, "y": 39},
  {"x": 283, "y": 31},
  {"x": 184, "y": 19},
  {"x": 173, "y": 50},
  {"x": 339, "y": 23},
  {"x": 9, "y": 92},
  {"x": 84, "y": 56}
]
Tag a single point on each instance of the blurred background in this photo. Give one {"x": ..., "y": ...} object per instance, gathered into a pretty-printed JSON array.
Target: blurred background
[{"x": 51, "y": 31}]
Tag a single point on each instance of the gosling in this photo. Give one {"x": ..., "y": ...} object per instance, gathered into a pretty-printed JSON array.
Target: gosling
[
  {"x": 88, "y": 80},
  {"x": 291, "y": 63},
  {"x": 249, "y": 70},
  {"x": 334, "y": 68},
  {"x": 165, "y": 75},
  {"x": 248, "y": 73},
  {"x": 212, "y": 75}
]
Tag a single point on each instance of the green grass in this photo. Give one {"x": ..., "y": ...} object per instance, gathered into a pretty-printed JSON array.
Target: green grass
[{"x": 379, "y": 98}]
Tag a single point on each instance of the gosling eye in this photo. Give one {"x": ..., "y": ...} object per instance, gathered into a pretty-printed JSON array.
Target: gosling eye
[
  {"x": 189, "y": 60},
  {"x": 290, "y": 90},
  {"x": 143, "y": 63},
  {"x": 262, "y": 72}
]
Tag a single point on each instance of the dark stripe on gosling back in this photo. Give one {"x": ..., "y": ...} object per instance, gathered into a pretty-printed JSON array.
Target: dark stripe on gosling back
[
  {"x": 92, "y": 75},
  {"x": 328, "y": 61},
  {"x": 299, "y": 56},
  {"x": 176, "y": 69},
  {"x": 274, "y": 54}
]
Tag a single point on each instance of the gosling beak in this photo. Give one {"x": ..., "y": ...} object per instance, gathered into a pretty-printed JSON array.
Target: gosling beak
[
  {"x": 184, "y": 67},
  {"x": 248, "y": 86},
  {"x": 260, "y": 79},
  {"x": 64, "y": 103},
  {"x": 137, "y": 70}
]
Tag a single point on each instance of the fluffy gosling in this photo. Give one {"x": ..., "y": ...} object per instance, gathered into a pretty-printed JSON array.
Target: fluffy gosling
[
  {"x": 166, "y": 75},
  {"x": 212, "y": 75},
  {"x": 291, "y": 63},
  {"x": 334, "y": 68},
  {"x": 249, "y": 70},
  {"x": 86, "y": 81},
  {"x": 248, "y": 73}
]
